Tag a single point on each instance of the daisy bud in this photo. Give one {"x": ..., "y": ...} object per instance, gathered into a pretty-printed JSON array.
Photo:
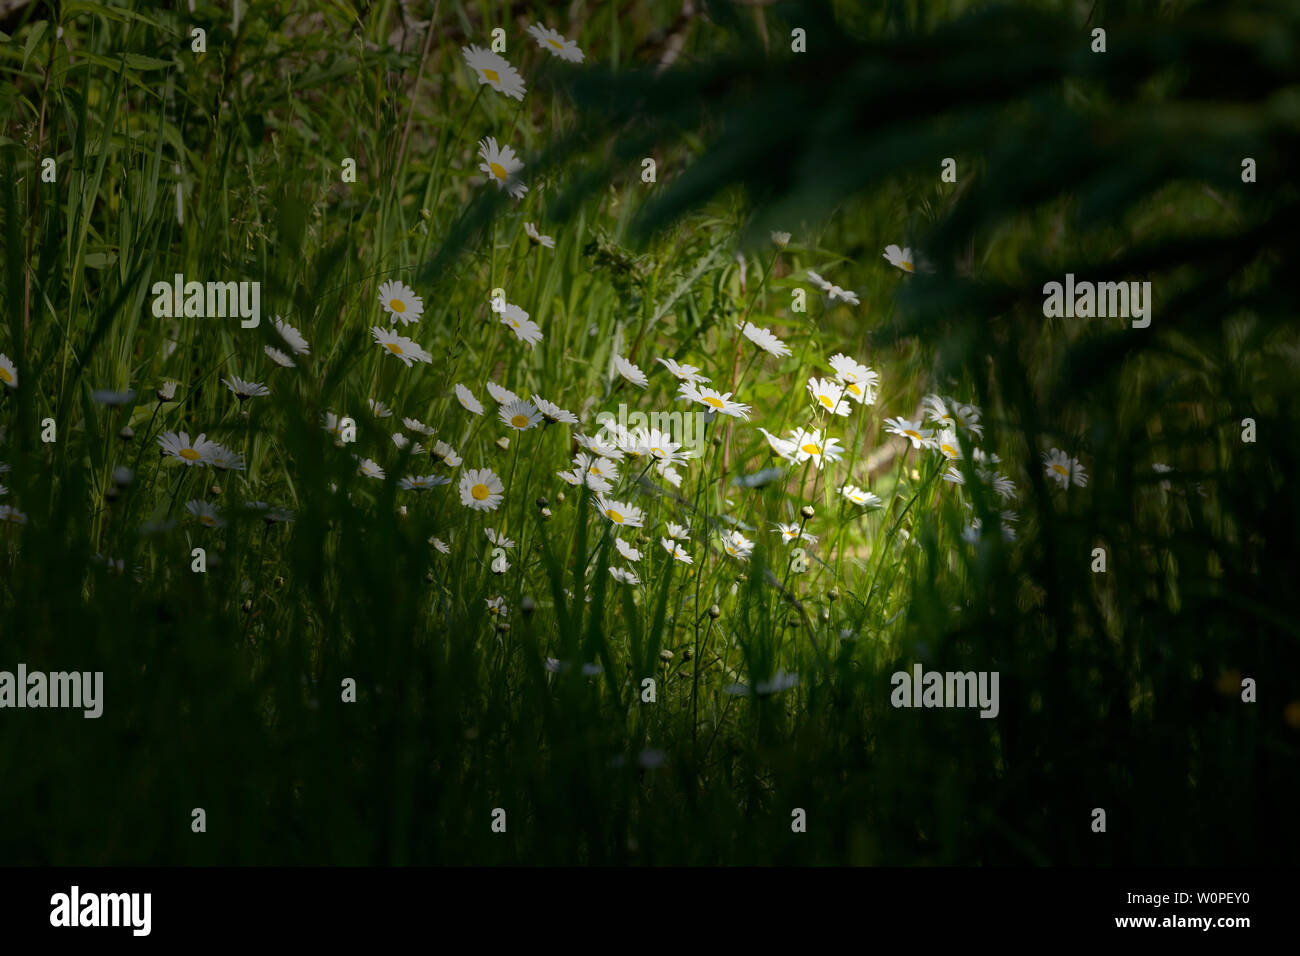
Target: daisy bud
[
  {"x": 429, "y": 577},
  {"x": 717, "y": 440},
  {"x": 546, "y": 514},
  {"x": 279, "y": 581},
  {"x": 503, "y": 444},
  {"x": 503, "y": 627},
  {"x": 833, "y": 594},
  {"x": 807, "y": 512},
  {"x": 166, "y": 392},
  {"x": 527, "y": 605},
  {"x": 127, "y": 433},
  {"x": 687, "y": 654},
  {"x": 715, "y": 612},
  {"x": 111, "y": 493},
  {"x": 215, "y": 490},
  {"x": 246, "y": 606},
  {"x": 826, "y": 614},
  {"x": 542, "y": 502},
  {"x": 559, "y": 496},
  {"x": 665, "y": 655}
]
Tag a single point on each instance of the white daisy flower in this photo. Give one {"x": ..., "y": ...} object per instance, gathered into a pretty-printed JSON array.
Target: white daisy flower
[
  {"x": 481, "y": 489},
  {"x": 630, "y": 372},
  {"x": 405, "y": 349},
  {"x": 498, "y": 539},
  {"x": 536, "y": 238},
  {"x": 166, "y": 392},
  {"x": 12, "y": 515},
  {"x": 675, "y": 549},
  {"x": 626, "y": 550},
  {"x": 494, "y": 71},
  {"x": 764, "y": 339},
  {"x": 581, "y": 478},
  {"x": 278, "y": 357},
  {"x": 502, "y": 165},
  {"x": 379, "y": 409},
  {"x": 205, "y": 513},
  {"x": 245, "y": 390},
  {"x": 8, "y": 371},
  {"x": 178, "y": 445},
  {"x": 829, "y": 396},
  {"x": 947, "y": 444},
  {"x": 791, "y": 533},
  {"x": 859, "y": 381},
  {"x": 468, "y": 401},
  {"x": 860, "y": 496},
  {"x": 1065, "y": 470},
  {"x": 415, "y": 425},
  {"x": 370, "y": 469},
  {"x": 224, "y": 459},
  {"x": 554, "y": 413},
  {"x": 818, "y": 281},
  {"x": 919, "y": 436},
  {"x": 440, "y": 545},
  {"x": 500, "y": 394},
  {"x": 809, "y": 443},
  {"x": 686, "y": 373},
  {"x": 900, "y": 258},
  {"x": 781, "y": 239},
  {"x": 786, "y": 448},
  {"x": 401, "y": 441},
  {"x": 497, "y": 606},
  {"x": 519, "y": 415},
  {"x": 524, "y": 328},
  {"x": 737, "y": 545},
  {"x": 719, "y": 402},
  {"x": 627, "y": 577},
  {"x": 400, "y": 301},
  {"x": 678, "y": 531},
  {"x": 620, "y": 512},
  {"x": 555, "y": 44},
  {"x": 445, "y": 452},
  {"x": 292, "y": 337},
  {"x": 606, "y": 468},
  {"x": 422, "y": 482},
  {"x": 598, "y": 446}
]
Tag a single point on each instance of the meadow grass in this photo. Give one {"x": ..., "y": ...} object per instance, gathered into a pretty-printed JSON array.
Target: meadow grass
[{"x": 521, "y": 686}]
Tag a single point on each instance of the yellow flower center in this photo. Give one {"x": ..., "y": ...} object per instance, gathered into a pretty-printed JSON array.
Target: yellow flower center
[
  {"x": 394, "y": 348},
  {"x": 1060, "y": 470},
  {"x": 208, "y": 520},
  {"x": 6, "y": 377},
  {"x": 907, "y": 266},
  {"x": 658, "y": 452},
  {"x": 519, "y": 421},
  {"x": 825, "y": 400},
  {"x": 492, "y": 75},
  {"x": 948, "y": 450},
  {"x": 614, "y": 516},
  {"x": 715, "y": 402},
  {"x": 912, "y": 434},
  {"x": 853, "y": 388},
  {"x": 498, "y": 170},
  {"x": 558, "y": 46},
  {"x": 189, "y": 454},
  {"x": 812, "y": 449},
  {"x": 397, "y": 305},
  {"x": 479, "y": 492}
]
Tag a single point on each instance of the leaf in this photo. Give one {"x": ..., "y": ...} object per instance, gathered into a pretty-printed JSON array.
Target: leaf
[
  {"x": 100, "y": 260},
  {"x": 138, "y": 62},
  {"x": 33, "y": 38}
]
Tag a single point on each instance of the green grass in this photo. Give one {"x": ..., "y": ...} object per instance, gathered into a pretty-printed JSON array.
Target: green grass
[{"x": 224, "y": 689}]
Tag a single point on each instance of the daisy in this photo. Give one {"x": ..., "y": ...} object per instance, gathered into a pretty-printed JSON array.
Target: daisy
[
  {"x": 900, "y": 258},
  {"x": 578, "y": 477},
  {"x": 498, "y": 539},
  {"x": 178, "y": 445},
  {"x": 828, "y": 395},
  {"x": 555, "y": 44},
  {"x": 782, "y": 446},
  {"x": 494, "y": 71},
  {"x": 619, "y": 512},
  {"x": 520, "y": 415},
  {"x": 166, "y": 392},
  {"x": 297, "y": 344},
  {"x": 659, "y": 446},
  {"x": 764, "y": 339},
  {"x": 810, "y": 444},
  {"x": 859, "y": 381},
  {"x": 686, "y": 373},
  {"x": 606, "y": 468},
  {"x": 860, "y": 496},
  {"x": 500, "y": 394},
  {"x": 422, "y": 482},
  {"x": 278, "y": 357},
  {"x": 948, "y": 445},
  {"x": 920, "y": 437},
  {"x": 669, "y": 474},
  {"x": 536, "y": 238},
  {"x": 598, "y": 446},
  {"x": 445, "y": 452},
  {"x": 845, "y": 295},
  {"x": 8, "y": 371},
  {"x": 781, "y": 239},
  {"x": 497, "y": 606},
  {"x": 501, "y": 163},
  {"x": 401, "y": 302},
  {"x": 626, "y": 550},
  {"x": 468, "y": 401},
  {"x": 401, "y": 441},
  {"x": 1003, "y": 485},
  {"x": 225, "y": 459},
  {"x": 379, "y": 409},
  {"x": 818, "y": 281},
  {"x": 673, "y": 548},
  {"x": 630, "y": 372},
  {"x": 525, "y": 328},
  {"x": 720, "y": 402},
  {"x": 205, "y": 513},
  {"x": 554, "y": 413},
  {"x": 112, "y": 399},
  {"x": 791, "y": 532},
  {"x": 12, "y": 515},
  {"x": 936, "y": 411},
  {"x": 245, "y": 390},
  {"x": 440, "y": 545},
  {"x": 737, "y": 545},
  {"x": 1064, "y": 469},
  {"x": 481, "y": 489},
  {"x": 370, "y": 469},
  {"x": 627, "y": 577},
  {"x": 415, "y": 425},
  {"x": 404, "y": 348},
  {"x": 678, "y": 531}
]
